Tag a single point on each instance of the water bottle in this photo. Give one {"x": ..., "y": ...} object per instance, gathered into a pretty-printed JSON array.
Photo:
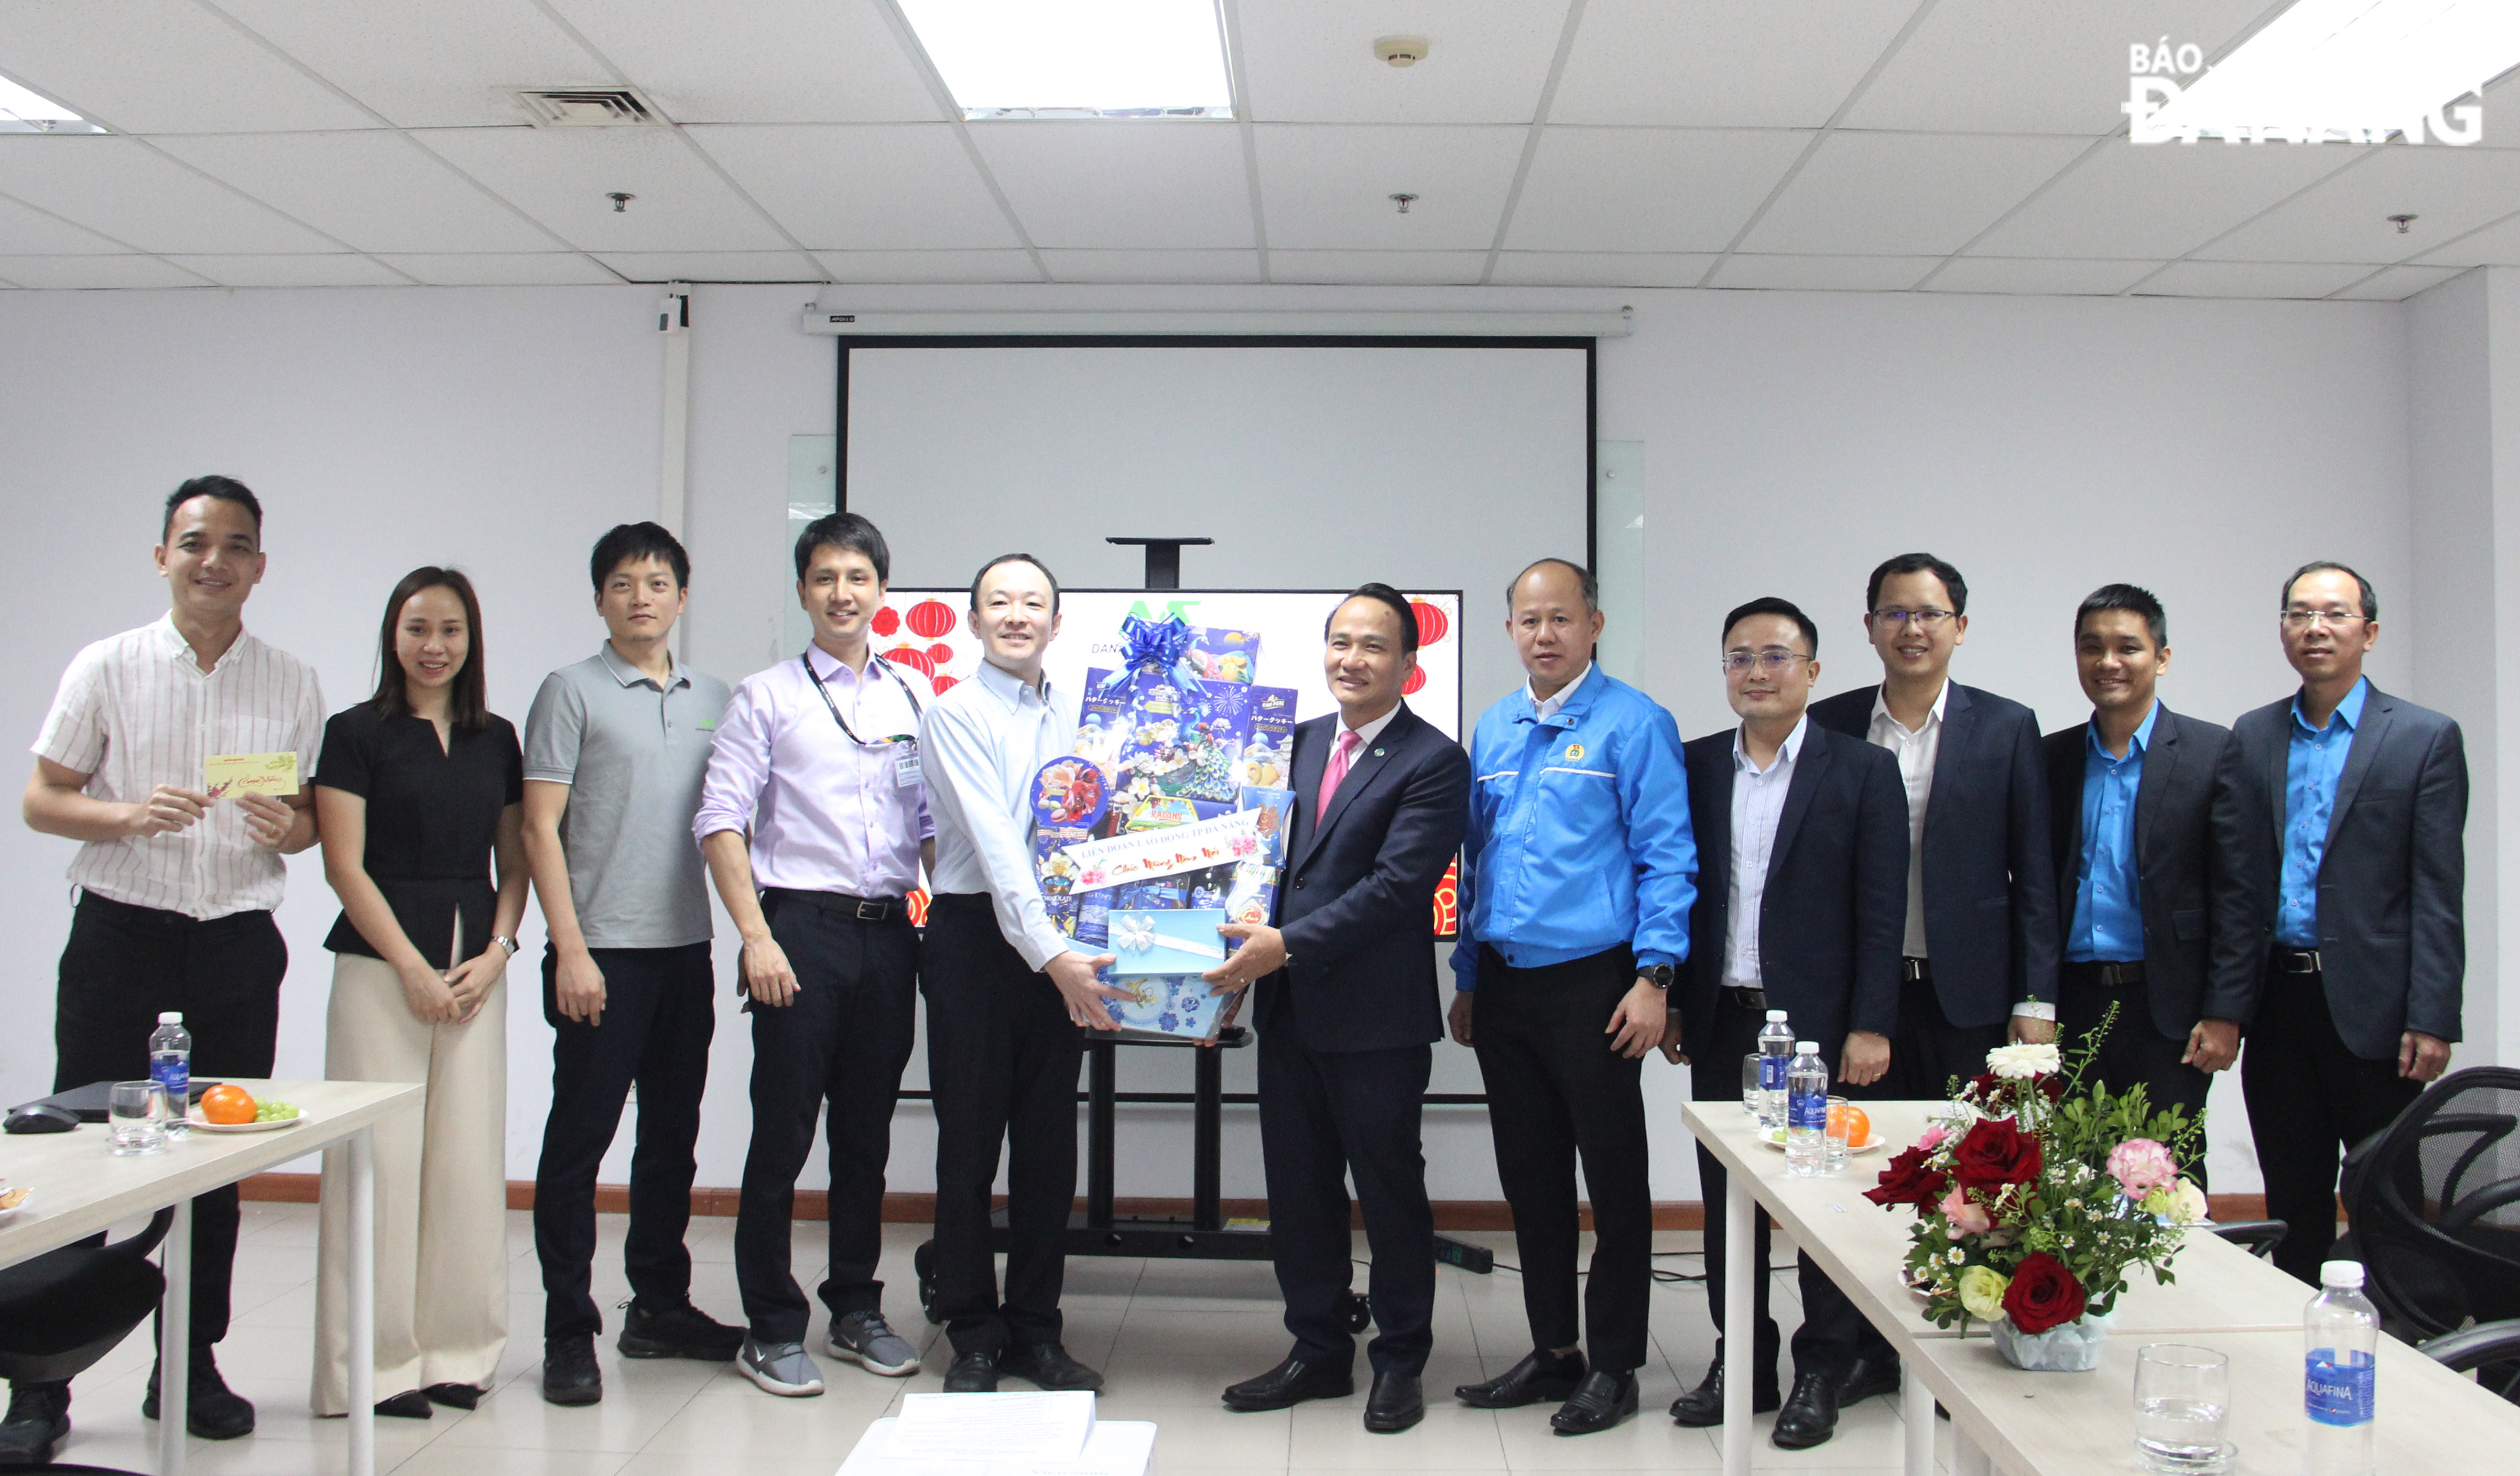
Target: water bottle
[
  {"x": 2340, "y": 1333},
  {"x": 1776, "y": 1054},
  {"x": 1805, "y": 1111},
  {"x": 170, "y": 1065}
]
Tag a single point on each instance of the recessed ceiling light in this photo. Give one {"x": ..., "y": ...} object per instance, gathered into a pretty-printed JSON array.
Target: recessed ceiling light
[
  {"x": 2353, "y": 69},
  {"x": 1016, "y": 59},
  {"x": 23, "y": 112}
]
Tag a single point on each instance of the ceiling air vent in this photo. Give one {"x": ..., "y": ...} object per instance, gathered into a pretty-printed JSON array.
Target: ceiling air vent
[{"x": 586, "y": 108}]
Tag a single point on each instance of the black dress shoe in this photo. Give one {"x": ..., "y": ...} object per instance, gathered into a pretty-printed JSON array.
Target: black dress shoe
[
  {"x": 1869, "y": 1377},
  {"x": 453, "y": 1396},
  {"x": 1394, "y": 1403},
  {"x": 1702, "y": 1408},
  {"x": 1810, "y": 1415},
  {"x": 972, "y": 1373},
  {"x": 1048, "y": 1366},
  {"x": 410, "y": 1404},
  {"x": 1602, "y": 1401},
  {"x": 570, "y": 1375},
  {"x": 38, "y": 1419},
  {"x": 1539, "y": 1376},
  {"x": 211, "y": 1409},
  {"x": 1290, "y": 1383}
]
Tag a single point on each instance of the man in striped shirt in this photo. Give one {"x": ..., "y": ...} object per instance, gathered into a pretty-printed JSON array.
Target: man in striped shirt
[{"x": 176, "y": 885}]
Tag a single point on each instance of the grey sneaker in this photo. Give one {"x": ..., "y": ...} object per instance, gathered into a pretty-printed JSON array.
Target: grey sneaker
[
  {"x": 783, "y": 1369},
  {"x": 864, "y": 1338}
]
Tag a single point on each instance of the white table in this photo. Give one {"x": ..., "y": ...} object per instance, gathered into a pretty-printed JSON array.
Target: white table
[{"x": 80, "y": 1189}]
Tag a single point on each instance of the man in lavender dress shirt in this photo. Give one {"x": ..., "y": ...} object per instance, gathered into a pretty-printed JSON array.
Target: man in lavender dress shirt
[{"x": 814, "y": 820}]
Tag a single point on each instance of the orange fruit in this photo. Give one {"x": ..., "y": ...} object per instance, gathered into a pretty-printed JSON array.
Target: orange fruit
[
  {"x": 225, "y": 1104},
  {"x": 1857, "y": 1123}
]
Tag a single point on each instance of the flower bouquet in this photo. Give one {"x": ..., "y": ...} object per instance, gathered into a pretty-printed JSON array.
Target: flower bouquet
[{"x": 2037, "y": 1196}]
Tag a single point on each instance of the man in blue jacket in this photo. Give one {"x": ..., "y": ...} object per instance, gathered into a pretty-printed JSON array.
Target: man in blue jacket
[{"x": 1576, "y": 888}]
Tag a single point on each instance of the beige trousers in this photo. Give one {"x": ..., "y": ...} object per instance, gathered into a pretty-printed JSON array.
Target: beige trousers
[{"x": 441, "y": 1191}]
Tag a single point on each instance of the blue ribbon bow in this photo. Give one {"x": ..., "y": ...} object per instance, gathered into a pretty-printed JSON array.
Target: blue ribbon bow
[{"x": 1160, "y": 647}]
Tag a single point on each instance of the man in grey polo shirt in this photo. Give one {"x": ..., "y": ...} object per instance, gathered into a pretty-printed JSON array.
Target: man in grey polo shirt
[{"x": 616, "y": 747}]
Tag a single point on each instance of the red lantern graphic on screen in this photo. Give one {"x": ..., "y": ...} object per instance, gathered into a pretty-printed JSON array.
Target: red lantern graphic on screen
[
  {"x": 911, "y": 656},
  {"x": 930, "y": 618},
  {"x": 1448, "y": 901},
  {"x": 1431, "y": 624},
  {"x": 887, "y": 621},
  {"x": 918, "y": 907},
  {"x": 944, "y": 684},
  {"x": 941, "y": 653},
  {"x": 1417, "y": 680}
]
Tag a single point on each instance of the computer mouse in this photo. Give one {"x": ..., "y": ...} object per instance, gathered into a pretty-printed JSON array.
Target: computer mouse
[{"x": 42, "y": 1117}]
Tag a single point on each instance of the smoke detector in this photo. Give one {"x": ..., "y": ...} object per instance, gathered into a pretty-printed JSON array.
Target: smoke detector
[
  {"x": 585, "y": 108},
  {"x": 1401, "y": 51}
]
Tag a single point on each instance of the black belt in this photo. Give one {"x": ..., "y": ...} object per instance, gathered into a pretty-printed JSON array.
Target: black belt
[
  {"x": 2107, "y": 976},
  {"x": 1916, "y": 971},
  {"x": 2297, "y": 961},
  {"x": 842, "y": 904},
  {"x": 1753, "y": 999}
]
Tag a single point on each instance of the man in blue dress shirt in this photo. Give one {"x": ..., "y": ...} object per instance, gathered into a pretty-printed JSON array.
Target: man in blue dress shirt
[{"x": 1579, "y": 872}]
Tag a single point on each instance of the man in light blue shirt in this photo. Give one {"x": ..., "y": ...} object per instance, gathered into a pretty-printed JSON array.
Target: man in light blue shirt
[
  {"x": 2313, "y": 763},
  {"x": 2107, "y": 921},
  {"x": 1577, "y": 876}
]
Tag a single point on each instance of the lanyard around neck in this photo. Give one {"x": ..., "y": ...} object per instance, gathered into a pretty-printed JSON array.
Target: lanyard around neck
[{"x": 806, "y": 660}]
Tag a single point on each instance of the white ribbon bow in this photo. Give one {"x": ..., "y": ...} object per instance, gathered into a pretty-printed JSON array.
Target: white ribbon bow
[{"x": 1136, "y": 935}]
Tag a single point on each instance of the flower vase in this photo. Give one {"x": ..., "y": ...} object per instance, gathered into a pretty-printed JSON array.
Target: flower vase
[{"x": 2067, "y": 1348}]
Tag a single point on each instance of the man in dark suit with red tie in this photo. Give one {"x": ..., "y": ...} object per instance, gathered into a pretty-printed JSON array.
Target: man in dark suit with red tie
[{"x": 1348, "y": 1014}]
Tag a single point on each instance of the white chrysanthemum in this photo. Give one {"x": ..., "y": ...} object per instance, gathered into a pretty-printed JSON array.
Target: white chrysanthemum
[{"x": 2019, "y": 1064}]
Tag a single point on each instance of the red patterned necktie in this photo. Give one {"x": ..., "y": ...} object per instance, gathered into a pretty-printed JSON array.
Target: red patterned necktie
[{"x": 1348, "y": 744}]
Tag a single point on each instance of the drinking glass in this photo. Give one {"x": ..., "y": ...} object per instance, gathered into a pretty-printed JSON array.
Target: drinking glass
[
  {"x": 138, "y": 1113},
  {"x": 2181, "y": 1396},
  {"x": 1835, "y": 1142},
  {"x": 1754, "y": 1099}
]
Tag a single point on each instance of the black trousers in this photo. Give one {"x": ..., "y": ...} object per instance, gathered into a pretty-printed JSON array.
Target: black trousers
[
  {"x": 2135, "y": 1053},
  {"x": 1929, "y": 1050},
  {"x": 658, "y": 1017},
  {"x": 842, "y": 1040},
  {"x": 2309, "y": 1098},
  {"x": 1832, "y": 1334},
  {"x": 1002, "y": 1059},
  {"x": 1558, "y": 1089},
  {"x": 121, "y": 966}
]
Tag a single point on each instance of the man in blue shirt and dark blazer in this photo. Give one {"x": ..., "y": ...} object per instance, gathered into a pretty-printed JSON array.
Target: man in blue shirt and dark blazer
[
  {"x": 2369, "y": 796},
  {"x": 1800, "y": 903},
  {"x": 2159, "y": 873},
  {"x": 1576, "y": 882},
  {"x": 1348, "y": 1015}
]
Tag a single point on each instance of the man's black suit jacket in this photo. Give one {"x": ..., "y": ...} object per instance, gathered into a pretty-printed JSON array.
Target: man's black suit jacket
[
  {"x": 2392, "y": 930},
  {"x": 1836, "y": 898},
  {"x": 1990, "y": 880},
  {"x": 1357, "y": 899},
  {"x": 2201, "y": 868}
]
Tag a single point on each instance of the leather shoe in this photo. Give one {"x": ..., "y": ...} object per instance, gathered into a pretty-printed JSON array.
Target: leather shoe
[
  {"x": 1394, "y": 1403},
  {"x": 1810, "y": 1415},
  {"x": 1869, "y": 1377},
  {"x": 1540, "y": 1375},
  {"x": 1048, "y": 1366},
  {"x": 1702, "y": 1408},
  {"x": 972, "y": 1373},
  {"x": 1291, "y": 1382},
  {"x": 1601, "y": 1401},
  {"x": 211, "y": 1409}
]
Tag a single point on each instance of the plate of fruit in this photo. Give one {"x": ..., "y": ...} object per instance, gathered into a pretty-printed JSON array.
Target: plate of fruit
[
  {"x": 230, "y": 1109},
  {"x": 1861, "y": 1139}
]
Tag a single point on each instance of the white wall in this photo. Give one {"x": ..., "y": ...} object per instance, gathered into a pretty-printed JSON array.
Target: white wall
[{"x": 1789, "y": 442}]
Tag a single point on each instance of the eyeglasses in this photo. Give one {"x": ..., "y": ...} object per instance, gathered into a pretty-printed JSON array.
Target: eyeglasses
[
  {"x": 1738, "y": 661},
  {"x": 2304, "y": 619},
  {"x": 1926, "y": 620}
]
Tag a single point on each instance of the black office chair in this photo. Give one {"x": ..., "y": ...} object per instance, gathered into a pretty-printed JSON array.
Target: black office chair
[
  {"x": 2259, "y": 1237},
  {"x": 2490, "y": 1350},
  {"x": 2434, "y": 1205},
  {"x": 65, "y": 1309}
]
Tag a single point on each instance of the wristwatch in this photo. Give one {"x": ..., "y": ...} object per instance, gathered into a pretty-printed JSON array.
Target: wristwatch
[
  {"x": 510, "y": 944},
  {"x": 1659, "y": 976}
]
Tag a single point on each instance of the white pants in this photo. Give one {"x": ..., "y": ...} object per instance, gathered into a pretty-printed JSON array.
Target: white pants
[{"x": 441, "y": 1191}]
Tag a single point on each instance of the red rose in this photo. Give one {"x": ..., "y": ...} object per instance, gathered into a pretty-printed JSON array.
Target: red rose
[
  {"x": 2044, "y": 1294},
  {"x": 1995, "y": 1154},
  {"x": 1908, "y": 1181}
]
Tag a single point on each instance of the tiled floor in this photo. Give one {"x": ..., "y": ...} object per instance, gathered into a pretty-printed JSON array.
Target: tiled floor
[{"x": 1169, "y": 1334}]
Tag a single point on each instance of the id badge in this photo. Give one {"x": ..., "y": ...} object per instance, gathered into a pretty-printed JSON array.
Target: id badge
[{"x": 905, "y": 765}]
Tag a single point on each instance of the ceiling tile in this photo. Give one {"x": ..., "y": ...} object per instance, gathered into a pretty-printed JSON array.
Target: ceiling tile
[
  {"x": 376, "y": 190},
  {"x": 1906, "y": 193},
  {"x": 880, "y": 186},
  {"x": 1842, "y": 274},
  {"x": 1648, "y": 189},
  {"x": 760, "y": 61},
  {"x": 94, "y": 271},
  {"x": 2006, "y": 66},
  {"x": 124, "y": 188},
  {"x": 1714, "y": 64},
  {"x": 2249, "y": 279},
  {"x": 928, "y": 266},
  {"x": 26, "y": 231},
  {"x": 1313, "y": 61},
  {"x": 561, "y": 176},
  {"x": 1153, "y": 266},
  {"x": 2128, "y": 201},
  {"x": 1330, "y": 188},
  {"x": 2397, "y": 283},
  {"x": 2038, "y": 277},
  {"x": 502, "y": 269},
  {"x": 2498, "y": 244},
  {"x": 2449, "y": 192},
  {"x": 164, "y": 67},
  {"x": 448, "y": 63},
  {"x": 1426, "y": 267},
  {"x": 330, "y": 269},
  {"x": 712, "y": 266},
  {"x": 1601, "y": 268},
  {"x": 1125, "y": 183}
]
